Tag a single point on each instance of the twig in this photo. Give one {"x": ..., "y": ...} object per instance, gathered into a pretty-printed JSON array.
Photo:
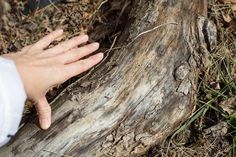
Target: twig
[
  {"x": 54, "y": 5},
  {"x": 141, "y": 34},
  {"x": 111, "y": 48},
  {"x": 113, "y": 44},
  {"x": 95, "y": 12},
  {"x": 151, "y": 30},
  {"x": 44, "y": 8},
  {"x": 102, "y": 4}
]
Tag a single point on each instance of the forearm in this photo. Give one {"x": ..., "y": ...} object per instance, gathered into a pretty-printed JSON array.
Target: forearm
[{"x": 12, "y": 99}]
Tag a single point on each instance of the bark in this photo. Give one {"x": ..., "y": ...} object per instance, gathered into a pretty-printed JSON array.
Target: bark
[{"x": 133, "y": 100}]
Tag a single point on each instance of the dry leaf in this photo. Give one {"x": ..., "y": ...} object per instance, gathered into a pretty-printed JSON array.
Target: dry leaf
[
  {"x": 231, "y": 22},
  {"x": 227, "y": 18},
  {"x": 217, "y": 130},
  {"x": 229, "y": 106}
]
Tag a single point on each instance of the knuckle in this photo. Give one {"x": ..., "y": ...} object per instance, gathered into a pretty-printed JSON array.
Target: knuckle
[
  {"x": 59, "y": 61},
  {"x": 85, "y": 49},
  {"x": 91, "y": 60},
  {"x": 73, "y": 55},
  {"x": 64, "y": 46},
  {"x": 83, "y": 66},
  {"x": 46, "y": 110},
  {"x": 52, "y": 35},
  {"x": 74, "y": 40}
]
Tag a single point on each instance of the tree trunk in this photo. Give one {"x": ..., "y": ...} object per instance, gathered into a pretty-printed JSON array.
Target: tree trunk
[{"x": 133, "y": 100}]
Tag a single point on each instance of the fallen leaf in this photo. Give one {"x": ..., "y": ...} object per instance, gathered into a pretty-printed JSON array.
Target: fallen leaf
[
  {"x": 229, "y": 106},
  {"x": 217, "y": 130},
  {"x": 227, "y": 18},
  {"x": 231, "y": 23}
]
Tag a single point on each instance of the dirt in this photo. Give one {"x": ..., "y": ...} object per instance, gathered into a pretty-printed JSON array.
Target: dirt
[{"x": 93, "y": 17}]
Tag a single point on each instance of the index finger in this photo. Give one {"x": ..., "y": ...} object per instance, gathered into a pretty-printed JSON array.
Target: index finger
[{"x": 47, "y": 40}]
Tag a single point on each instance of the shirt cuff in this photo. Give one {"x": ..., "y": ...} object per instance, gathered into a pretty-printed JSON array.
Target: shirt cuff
[{"x": 12, "y": 99}]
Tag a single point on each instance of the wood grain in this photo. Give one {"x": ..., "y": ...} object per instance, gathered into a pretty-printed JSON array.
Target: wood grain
[{"x": 135, "y": 98}]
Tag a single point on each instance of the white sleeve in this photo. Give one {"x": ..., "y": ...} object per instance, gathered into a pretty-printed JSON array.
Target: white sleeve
[{"x": 12, "y": 99}]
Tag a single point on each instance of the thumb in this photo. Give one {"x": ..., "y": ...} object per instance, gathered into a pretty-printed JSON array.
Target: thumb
[{"x": 44, "y": 111}]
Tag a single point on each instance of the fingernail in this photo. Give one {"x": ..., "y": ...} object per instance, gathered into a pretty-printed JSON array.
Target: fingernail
[
  {"x": 96, "y": 44},
  {"x": 45, "y": 123},
  {"x": 100, "y": 55}
]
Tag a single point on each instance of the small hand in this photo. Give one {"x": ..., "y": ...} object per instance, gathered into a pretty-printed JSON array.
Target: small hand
[{"x": 41, "y": 69}]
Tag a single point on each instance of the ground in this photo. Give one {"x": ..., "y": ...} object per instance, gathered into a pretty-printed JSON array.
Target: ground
[{"x": 210, "y": 131}]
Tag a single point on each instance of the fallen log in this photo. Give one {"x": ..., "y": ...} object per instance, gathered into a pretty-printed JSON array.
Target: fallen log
[{"x": 141, "y": 92}]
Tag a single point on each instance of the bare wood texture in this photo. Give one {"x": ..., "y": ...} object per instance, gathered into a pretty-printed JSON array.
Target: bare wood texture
[{"x": 138, "y": 96}]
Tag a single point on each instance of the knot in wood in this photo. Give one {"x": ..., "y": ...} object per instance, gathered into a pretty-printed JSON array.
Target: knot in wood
[{"x": 181, "y": 72}]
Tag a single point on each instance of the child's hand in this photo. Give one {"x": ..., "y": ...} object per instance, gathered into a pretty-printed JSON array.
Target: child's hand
[{"x": 41, "y": 69}]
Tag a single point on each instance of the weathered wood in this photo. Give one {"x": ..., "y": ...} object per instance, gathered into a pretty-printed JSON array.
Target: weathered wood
[{"x": 136, "y": 97}]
